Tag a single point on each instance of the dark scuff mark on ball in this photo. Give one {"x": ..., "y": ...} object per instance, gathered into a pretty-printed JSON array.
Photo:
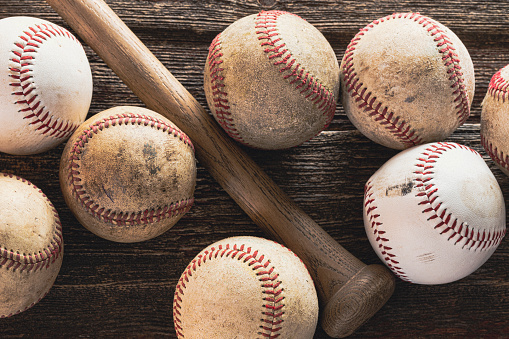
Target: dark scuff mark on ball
[
  {"x": 108, "y": 194},
  {"x": 150, "y": 155},
  {"x": 400, "y": 189}
]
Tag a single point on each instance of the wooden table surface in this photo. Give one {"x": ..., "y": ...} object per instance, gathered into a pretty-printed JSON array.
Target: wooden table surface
[{"x": 108, "y": 289}]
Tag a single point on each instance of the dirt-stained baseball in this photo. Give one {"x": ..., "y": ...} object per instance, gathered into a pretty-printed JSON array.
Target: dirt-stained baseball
[
  {"x": 406, "y": 80},
  {"x": 272, "y": 80},
  {"x": 434, "y": 213},
  {"x": 245, "y": 287},
  {"x": 128, "y": 174},
  {"x": 47, "y": 85},
  {"x": 31, "y": 245},
  {"x": 495, "y": 119}
]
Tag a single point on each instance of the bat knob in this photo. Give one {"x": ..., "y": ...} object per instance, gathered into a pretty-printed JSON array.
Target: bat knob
[{"x": 357, "y": 300}]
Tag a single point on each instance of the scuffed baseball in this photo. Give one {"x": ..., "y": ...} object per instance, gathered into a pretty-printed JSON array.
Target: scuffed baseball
[
  {"x": 46, "y": 86},
  {"x": 245, "y": 287},
  {"x": 271, "y": 80},
  {"x": 128, "y": 174},
  {"x": 434, "y": 213},
  {"x": 495, "y": 119},
  {"x": 406, "y": 80},
  {"x": 31, "y": 245}
]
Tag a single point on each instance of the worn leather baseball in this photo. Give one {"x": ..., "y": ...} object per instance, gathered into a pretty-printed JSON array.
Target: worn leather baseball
[
  {"x": 434, "y": 213},
  {"x": 406, "y": 80},
  {"x": 46, "y": 85},
  {"x": 245, "y": 287},
  {"x": 128, "y": 174},
  {"x": 31, "y": 245},
  {"x": 271, "y": 80},
  {"x": 495, "y": 119}
]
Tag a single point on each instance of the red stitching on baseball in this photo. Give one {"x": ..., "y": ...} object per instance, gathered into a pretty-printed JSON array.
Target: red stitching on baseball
[
  {"x": 307, "y": 84},
  {"x": 499, "y": 87},
  {"x": 219, "y": 94},
  {"x": 273, "y": 303},
  {"x": 23, "y": 55},
  {"x": 499, "y": 157},
  {"x": 401, "y": 129},
  {"x": 445, "y": 221},
  {"x": 499, "y": 90},
  {"x": 123, "y": 218},
  {"x": 310, "y": 87},
  {"x": 380, "y": 235},
  {"x": 32, "y": 262}
]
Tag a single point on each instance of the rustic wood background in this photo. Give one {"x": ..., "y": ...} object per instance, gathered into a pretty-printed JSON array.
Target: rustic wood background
[{"x": 107, "y": 289}]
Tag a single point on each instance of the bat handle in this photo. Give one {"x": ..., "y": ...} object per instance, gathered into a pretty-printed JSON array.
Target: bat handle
[{"x": 357, "y": 300}]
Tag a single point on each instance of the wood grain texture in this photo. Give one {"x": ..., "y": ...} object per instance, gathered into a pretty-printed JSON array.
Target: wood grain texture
[{"x": 107, "y": 289}]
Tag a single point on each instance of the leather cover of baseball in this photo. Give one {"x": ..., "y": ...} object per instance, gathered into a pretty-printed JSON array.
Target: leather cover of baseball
[
  {"x": 46, "y": 86},
  {"x": 434, "y": 213},
  {"x": 495, "y": 119},
  {"x": 406, "y": 80},
  {"x": 272, "y": 80},
  {"x": 245, "y": 287},
  {"x": 31, "y": 245},
  {"x": 128, "y": 174}
]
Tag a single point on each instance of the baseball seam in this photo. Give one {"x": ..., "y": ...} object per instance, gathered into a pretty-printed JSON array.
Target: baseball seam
[
  {"x": 498, "y": 89},
  {"x": 123, "y": 218},
  {"x": 219, "y": 94},
  {"x": 380, "y": 234},
  {"x": 446, "y": 222},
  {"x": 32, "y": 262},
  {"x": 272, "y": 303},
  {"x": 401, "y": 129},
  {"x": 306, "y": 83},
  {"x": 23, "y": 56},
  {"x": 499, "y": 157}
]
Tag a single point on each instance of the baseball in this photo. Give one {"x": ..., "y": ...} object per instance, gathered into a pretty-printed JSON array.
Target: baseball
[
  {"x": 434, "y": 213},
  {"x": 494, "y": 119},
  {"x": 245, "y": 287},
  {"x": 271, "y": 80},
  {"x": 46, "y": 89},
  {"x": 31, "y": 245},
  {"x": 406, "y": 80},
  {"x": 128, "y": 174}
]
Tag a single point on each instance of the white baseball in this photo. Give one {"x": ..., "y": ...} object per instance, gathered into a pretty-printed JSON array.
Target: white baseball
[
  {"x": 406, "y": 80},
  {"x": 46, "y": 86},
  {"x": 31, "y": 245},
  {"x": 495, "y": 119},
  {"x": 434, "y": 213},
  {"x": 245, "y": 287}
]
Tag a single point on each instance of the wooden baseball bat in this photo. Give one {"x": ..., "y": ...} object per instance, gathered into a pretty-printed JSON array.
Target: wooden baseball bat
[{"x": 350, "y": 291}]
